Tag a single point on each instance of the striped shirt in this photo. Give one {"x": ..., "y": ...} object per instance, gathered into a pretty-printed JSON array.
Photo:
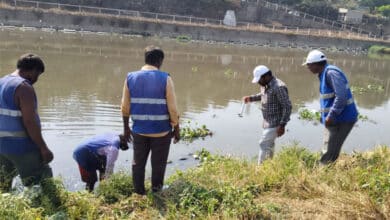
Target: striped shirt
[{"x": 275, "y": 103}]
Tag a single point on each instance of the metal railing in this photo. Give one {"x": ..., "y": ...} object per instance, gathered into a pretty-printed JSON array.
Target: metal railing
[
  {"x": 331, "y": 23},
  {"x": 343, "y": 31}
]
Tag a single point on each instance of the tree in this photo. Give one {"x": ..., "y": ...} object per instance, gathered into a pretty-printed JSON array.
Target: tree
[
  {"x": 384, "y": 10},
  {"x": 372, "y": 4}
]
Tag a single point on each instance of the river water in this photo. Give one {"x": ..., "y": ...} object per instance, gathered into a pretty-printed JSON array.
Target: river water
[{"x": 80, "y": 91}]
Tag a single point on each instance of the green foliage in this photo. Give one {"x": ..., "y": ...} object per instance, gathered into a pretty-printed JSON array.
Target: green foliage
[
  {"x": 374, "y": 173},
  {"x": 115, "y": 188},
  {"x": 17, "y": 207},
  {"x": 204, "y": 155},
  {"x": 384, "y": 10},
  {"x": 81, "y": 205},
  {"x": 229, "y": 73},
  {"x": 194, "y": 69},
  {"x": 52, "y": 196},
  {"x": 309, "y": 115},
  {"x": 312, "y": 115},
  {"x": 372, "y": 4},
  {"x": 369, "y": 88},
  {"x": 318, "y": 8},
  {"x": 222, "y": 187},
  {"x": 189, "y": 132},
  {"x": 183, "y": 38},
  {"x": 379, "y": 52}
]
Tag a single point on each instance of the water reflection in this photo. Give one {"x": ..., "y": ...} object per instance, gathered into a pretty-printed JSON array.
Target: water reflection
[{"x": 80, "y": 92}]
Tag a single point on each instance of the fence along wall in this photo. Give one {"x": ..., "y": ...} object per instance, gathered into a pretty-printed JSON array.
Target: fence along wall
[
  {"x": 97, "y": 23},
  {"x": 178, "y": 18}
]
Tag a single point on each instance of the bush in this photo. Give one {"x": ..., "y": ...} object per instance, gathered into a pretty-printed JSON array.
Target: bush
[
  {"x": 384, "y": 10},
  {"x": 115, "y": 188}
]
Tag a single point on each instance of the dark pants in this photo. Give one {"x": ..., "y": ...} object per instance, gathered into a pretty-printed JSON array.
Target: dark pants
[
  {"x": 29, "y": 165},
  {"x": 335, "y": 136},
  {"x": 159, "y": 146}
]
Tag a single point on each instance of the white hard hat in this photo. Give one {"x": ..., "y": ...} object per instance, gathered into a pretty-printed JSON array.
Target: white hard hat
[
  {"x": 314, "y": 56},
  {"x": 258, "y": 72}
]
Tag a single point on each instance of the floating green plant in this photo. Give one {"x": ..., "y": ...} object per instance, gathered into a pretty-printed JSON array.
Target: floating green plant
[
  {"x": 194, "y": 69},
  {"x": 313, "y": 115},
  {"x": 230, "y": 73},
  {"x": 309, "y": 115},
  {"x": 189, "y": 132},
  {"x": 369, "y": 88},
  {"x": 183, "y": 38}
]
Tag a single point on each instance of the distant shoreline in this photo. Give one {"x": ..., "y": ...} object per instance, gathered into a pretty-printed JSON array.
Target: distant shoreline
[{"x": 65, "y": 21}]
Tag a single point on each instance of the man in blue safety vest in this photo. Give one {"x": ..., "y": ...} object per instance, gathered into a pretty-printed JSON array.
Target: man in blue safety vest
[
  {"x": 338, "y": 109},
  {"x": 98, "y": 153},
  {"x": 23, "y": 150},
  {"x": 149, "y": 98}
]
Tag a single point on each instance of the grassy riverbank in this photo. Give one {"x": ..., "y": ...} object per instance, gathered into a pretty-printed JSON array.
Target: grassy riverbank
[
  {"x": 379, "y": 52},
  {"x": 290, "y": 186}
]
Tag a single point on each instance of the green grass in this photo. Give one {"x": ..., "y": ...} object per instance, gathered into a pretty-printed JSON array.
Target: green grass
[
  {"x": 379, "y": 52},
  {"x": 290, "y": 186}
]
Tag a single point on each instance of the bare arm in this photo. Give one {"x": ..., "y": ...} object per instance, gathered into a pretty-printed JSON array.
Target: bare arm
[
  {"x": 25, "y": 97},
  {"x": 172, "y": 109},
  {"x": 125, "y": 107}
]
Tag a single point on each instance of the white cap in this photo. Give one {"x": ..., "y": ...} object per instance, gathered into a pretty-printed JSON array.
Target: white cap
[
  {"x": 258, "y": 72},
  {"x": 314, "y": 56}
]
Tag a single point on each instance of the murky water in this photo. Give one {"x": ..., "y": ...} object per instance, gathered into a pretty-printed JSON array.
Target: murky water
[{"x": 80, "y": 92}]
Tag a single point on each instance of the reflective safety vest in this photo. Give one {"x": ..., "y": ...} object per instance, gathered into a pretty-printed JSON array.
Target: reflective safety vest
[
  {"x": 327, "y": 97},
  {"x": 13, "y": 135},
  {"x": 148, "y": 106},
  {"x": 86, "y": 154}
]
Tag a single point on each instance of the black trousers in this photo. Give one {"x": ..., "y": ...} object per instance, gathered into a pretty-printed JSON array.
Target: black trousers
[
  {"x": 334, "y": 138},
  {"x": 159, "y": 146}
]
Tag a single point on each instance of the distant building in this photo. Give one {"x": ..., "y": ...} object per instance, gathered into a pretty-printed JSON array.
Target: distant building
[{"x": 350, "y": 16}]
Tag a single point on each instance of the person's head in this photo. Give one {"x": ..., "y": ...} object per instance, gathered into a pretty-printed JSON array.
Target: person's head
[
  {"x": 262, "y": 75},
  {"x": 154, "y": 56},
  {"x": 123, "y": 142},
  {"x": 30, "y": 67},
  {"x": 315, "y": 61}
]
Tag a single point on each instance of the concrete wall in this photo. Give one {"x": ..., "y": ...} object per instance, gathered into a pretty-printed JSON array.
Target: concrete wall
[{"x": 128, "y": 26}]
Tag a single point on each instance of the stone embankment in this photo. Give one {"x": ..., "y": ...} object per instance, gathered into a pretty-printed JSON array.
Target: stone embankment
[{"x": 76, "y": 21}]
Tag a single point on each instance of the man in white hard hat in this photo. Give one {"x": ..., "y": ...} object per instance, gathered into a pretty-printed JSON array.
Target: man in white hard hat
[
  {"x": 275, "y": 106},
  {"x": 338, "y": 109}
]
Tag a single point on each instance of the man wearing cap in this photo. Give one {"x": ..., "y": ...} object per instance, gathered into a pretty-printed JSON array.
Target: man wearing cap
[
  {"x": 275, "y": 107},
  {"x": 98, "y": 153},
  {"x": 338, "y": 109}
]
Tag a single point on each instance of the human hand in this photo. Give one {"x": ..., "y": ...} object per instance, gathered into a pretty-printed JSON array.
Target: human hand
[
  {"x": 328, "y": 121},
  {"x": 47, "y": 155},
  {"x": 176, "y": 134},
  {"x": 127, "y": 134},
  {"x": 280, "y": 131},
  {"x": 246, "y": 99}
]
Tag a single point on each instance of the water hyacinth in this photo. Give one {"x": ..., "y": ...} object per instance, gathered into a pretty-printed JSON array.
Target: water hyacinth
[
  {"x": 188, "y": 132},
  {"x": 369, "y": 88},
  {"x": 315, "y": 116}
]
